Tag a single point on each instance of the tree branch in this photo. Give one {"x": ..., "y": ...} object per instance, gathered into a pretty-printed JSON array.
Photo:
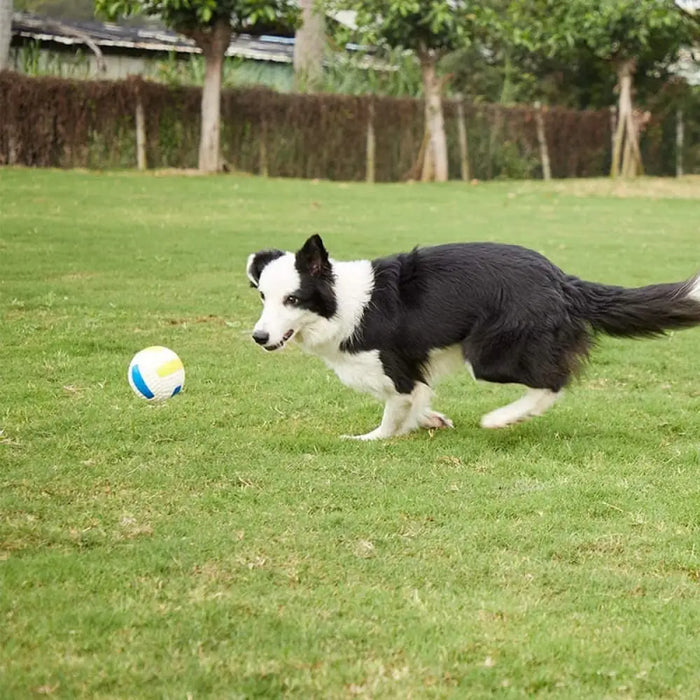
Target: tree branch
[{"x": 71, "y": 31}]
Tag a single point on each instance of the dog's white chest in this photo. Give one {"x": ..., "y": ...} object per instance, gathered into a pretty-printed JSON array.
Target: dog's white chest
[{"x": 362, "y": 371}]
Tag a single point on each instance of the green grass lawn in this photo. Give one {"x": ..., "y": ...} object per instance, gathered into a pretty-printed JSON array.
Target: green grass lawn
[{"x": 227, "y": 544}]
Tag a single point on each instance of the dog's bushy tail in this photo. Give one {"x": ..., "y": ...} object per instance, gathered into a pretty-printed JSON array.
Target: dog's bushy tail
[{"x": 638, "y": 312}]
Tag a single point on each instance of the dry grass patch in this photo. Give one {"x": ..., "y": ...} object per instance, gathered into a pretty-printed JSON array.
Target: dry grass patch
[{"x": 686, "y": 187}]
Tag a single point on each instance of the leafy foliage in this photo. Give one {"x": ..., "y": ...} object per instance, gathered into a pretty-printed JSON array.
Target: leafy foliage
[
  {"x": 612, "y": 30},
  {"x": 353, "y": 74},
  {"x": 561, "y": 53},
  {"x": 437, "y": 25},
  {"x": 250, "y": 16},
  {"x": 66, "y": 9},
  {"x": 630, "y": 28}
]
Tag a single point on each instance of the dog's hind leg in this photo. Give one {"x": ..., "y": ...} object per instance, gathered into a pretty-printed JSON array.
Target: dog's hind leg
[{"x": 534, "y": 403}]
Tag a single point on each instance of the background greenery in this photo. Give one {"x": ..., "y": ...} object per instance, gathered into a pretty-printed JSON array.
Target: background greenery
[
  {"x": 502, "y": 52},
  {"x": 228, "y": 544},
  {"x": 491, "y": 68}
]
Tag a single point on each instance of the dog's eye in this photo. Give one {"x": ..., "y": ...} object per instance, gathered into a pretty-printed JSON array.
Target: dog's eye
[{"x": 291, "y": 300}]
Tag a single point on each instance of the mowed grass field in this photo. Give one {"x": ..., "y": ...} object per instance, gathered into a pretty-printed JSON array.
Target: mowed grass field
[{"x": 228, "y": 544}]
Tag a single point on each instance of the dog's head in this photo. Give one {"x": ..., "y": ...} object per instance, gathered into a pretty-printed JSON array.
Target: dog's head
[{"x": 296, "y": 290}]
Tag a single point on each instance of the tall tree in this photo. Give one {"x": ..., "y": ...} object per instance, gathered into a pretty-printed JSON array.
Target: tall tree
[
  {"x": 309, "y": 43},
  {"x": 210, "y": 24},
  {"x": 626, "y": 34},
  {"x": 431, "y": 29},
  {"x": 5, "y": 33}
]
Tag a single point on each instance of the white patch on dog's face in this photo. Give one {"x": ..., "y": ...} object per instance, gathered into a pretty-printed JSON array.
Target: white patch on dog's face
[{"x": 281, "y": 317}]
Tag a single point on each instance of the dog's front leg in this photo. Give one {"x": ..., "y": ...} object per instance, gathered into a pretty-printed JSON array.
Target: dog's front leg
[{"x": 396, "y": 411}]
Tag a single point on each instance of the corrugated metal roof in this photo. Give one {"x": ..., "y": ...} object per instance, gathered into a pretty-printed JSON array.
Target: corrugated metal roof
[{"x": 106, "y": 36}]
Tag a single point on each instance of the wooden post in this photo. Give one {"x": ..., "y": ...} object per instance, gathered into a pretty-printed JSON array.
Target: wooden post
[
  {"x": 463, "y": 143},
  {"x": 613, "y": 127},
  {"x": 542, "y": 139},
  {"x": 264, "y": 170},
  {"x": 493, "y": 117},
  {"x": 680, "y": 134},
  {"x": 371, "y": 143},
  {"x": 140, "y": 135}
]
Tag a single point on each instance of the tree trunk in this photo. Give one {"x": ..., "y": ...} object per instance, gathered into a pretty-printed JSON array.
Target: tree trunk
[
  {"x": 213, "y": 41},
  {"x": 5, "y": 33},
  {"x": 626, "y": 160},
  {"x": 435, "y": 161},
  {"x": 309, "y": 42}
]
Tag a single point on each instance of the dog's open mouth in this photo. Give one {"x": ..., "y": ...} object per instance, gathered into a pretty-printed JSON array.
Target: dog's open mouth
[{"x": 285, "y": 338}]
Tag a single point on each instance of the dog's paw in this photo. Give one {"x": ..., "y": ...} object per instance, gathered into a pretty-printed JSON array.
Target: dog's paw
[
  {"x": 501, "y": 418},
  {"x": 372, "y": 435},
  {"x": 435, "y": 421}
]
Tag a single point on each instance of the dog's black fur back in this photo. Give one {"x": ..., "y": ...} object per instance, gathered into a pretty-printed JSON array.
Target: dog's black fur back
[{"x": 517, "y": 317}]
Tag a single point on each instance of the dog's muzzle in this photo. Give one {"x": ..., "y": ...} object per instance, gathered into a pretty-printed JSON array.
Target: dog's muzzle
[{"x": 263, "y": 338}]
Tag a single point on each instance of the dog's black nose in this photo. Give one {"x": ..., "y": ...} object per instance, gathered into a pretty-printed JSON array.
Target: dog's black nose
[{"x": 261, "y": 338}]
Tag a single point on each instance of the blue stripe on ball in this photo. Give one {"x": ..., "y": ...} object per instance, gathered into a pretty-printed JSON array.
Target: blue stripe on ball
[
  {"x": 176, "y": 390},
  {"x": 139, "y": 383}
]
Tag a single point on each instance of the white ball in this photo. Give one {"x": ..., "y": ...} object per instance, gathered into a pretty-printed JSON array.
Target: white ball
[{"x": 156, "y": 373}]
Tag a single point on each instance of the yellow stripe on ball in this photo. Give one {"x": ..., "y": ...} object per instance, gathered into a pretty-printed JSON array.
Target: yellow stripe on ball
[{"x": 169, "y": 367}]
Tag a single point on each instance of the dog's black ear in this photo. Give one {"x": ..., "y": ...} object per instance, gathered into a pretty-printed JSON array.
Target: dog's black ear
[
  {"x": 257, "y": 262},
  {"x": 313, "y": 258}
]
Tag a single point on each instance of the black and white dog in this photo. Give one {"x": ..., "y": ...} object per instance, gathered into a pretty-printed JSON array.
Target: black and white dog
[{"x": 392, "y": 326}]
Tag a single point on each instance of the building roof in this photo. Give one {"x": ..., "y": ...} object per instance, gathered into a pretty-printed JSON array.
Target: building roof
[{"x": 115, "y": 37}]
